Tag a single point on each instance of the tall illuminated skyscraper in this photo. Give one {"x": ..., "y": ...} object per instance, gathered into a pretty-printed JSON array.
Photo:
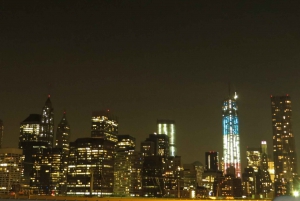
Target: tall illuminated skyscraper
[
  {"x": 168, "y": 127},
  {"x": 47, "y": 124},
  {"x": 283, "y": 144},
  {"x": 231, "y": 138}
]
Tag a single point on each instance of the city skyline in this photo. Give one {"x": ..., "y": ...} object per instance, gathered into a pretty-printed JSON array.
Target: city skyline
[{"x": 148, "y": 61}]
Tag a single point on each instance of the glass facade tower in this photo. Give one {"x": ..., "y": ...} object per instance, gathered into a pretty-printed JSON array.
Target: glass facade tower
[
  {"x": 231, "y": 138},
  {"x": 283, "y": 144},
  {"x": 168, "y": 127},
  {"x": 47, "y": 124}
]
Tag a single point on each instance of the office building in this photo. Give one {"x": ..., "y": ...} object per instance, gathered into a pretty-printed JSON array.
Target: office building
[
  {"x": 91, "y": 167},
  {"x": 253, "y": 158},
  {"x": 29, "y": 130},
  {"x": 47, "y": 124},
  {"x": 231, "y": 138},
  {"x": 168, "y": 127},
  {"x": 128, "y": 168},
  {"x": 212, "y": 161},
  {"x": 46, "y": 172},
  {"x": 63, "y": 134},
  {"x": 265, "y": 176},
  {"x": 104, "y": 125},
  {"x": 11, "y": 170},
  {"x": 62, "y": 141},
  {"x": 284, "y": 152},
  {"x": 156, "y": 145}
]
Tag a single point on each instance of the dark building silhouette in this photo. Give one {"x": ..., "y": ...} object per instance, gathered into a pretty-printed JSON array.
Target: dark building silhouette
[
  {"x": 284, "y": 152},
  {"x": 156, "y": 145},
  {"x": 46, "y": 133},
  {"x": 212, "y": 161},
  {"x": 161, "y": 173}
]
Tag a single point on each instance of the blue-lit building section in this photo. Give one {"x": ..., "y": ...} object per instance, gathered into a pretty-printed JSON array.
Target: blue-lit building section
[{"x": 231, "y": 139}]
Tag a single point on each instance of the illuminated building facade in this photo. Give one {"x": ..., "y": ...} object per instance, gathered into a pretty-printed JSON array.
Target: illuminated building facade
[
  {"x": 11, "y": 170},
  {"x": 47, "y": 124},
  {"x": 46, "y": 171},
  {"x": 1, "y": 132},
  {"x": 128, "y": 168},
  {"x": 253, "y": 158},
  {"x": 91, "y": 167},
  {"x": 231, "y": 138},
  {"x": 104, "y": 125},
  {"x": 168, "y": 127},
  {"x": 29, "y": 130},
  {"x": 283, "y": 144},
  {"x": 265, "y": 177},
  {"x": 62, "y": 141}
]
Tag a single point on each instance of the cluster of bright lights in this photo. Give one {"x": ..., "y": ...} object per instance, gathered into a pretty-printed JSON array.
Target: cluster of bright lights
[
  {"x": 231, "y": 141},
  {"x": 169, "y": 130}
]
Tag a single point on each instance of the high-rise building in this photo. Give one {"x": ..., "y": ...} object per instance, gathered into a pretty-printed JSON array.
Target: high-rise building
[
  {"x": 284, "y": 151},
  {"x": 253, "y": 158},
  {"x": 46, "y": 172},
  {"x": 128, "y": 168},
  {"x": 47, "y": 124},
  {"x": 231, "y": 138},
  {"x": 63, "y": 134},
  {"x": 265, "y": 177},
  {"x": 212, "y": 161},
  {"x": 168, "y": 127},
  {"x": 91, "y": 167},
  {"x": 11, "y": 161},
  {"x": 1, "y": 132},
  {"x": 62, "y": 142},
  {"x": 156, "y": 145},
  {"x": 104, "y": 125},
  {"x": 29, "y": 130}
]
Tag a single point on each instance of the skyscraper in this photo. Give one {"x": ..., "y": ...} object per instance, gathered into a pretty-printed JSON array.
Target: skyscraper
[
  {"x": 283, "y": 144},
  {"x": 105, "y": 126},
  {"x": 29, "y": 130},
  {"x": 62, "y": 142},
  {"x": 47, "y": 124},
  {"x": 168, "y": 127},
  {"x": 231, "y": 138},
  {"x": 91, "y": 167},
  {"x": 63, "y": 134},
  {"x": 212, "y": 161},
  {"x": 253, "y": 158}
]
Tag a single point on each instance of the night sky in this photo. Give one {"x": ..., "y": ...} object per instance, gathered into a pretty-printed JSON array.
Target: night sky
[{"x": 149, "y": 60}]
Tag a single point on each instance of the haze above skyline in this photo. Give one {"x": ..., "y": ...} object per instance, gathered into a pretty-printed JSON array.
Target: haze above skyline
[{"x": 149, "y": 60}]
